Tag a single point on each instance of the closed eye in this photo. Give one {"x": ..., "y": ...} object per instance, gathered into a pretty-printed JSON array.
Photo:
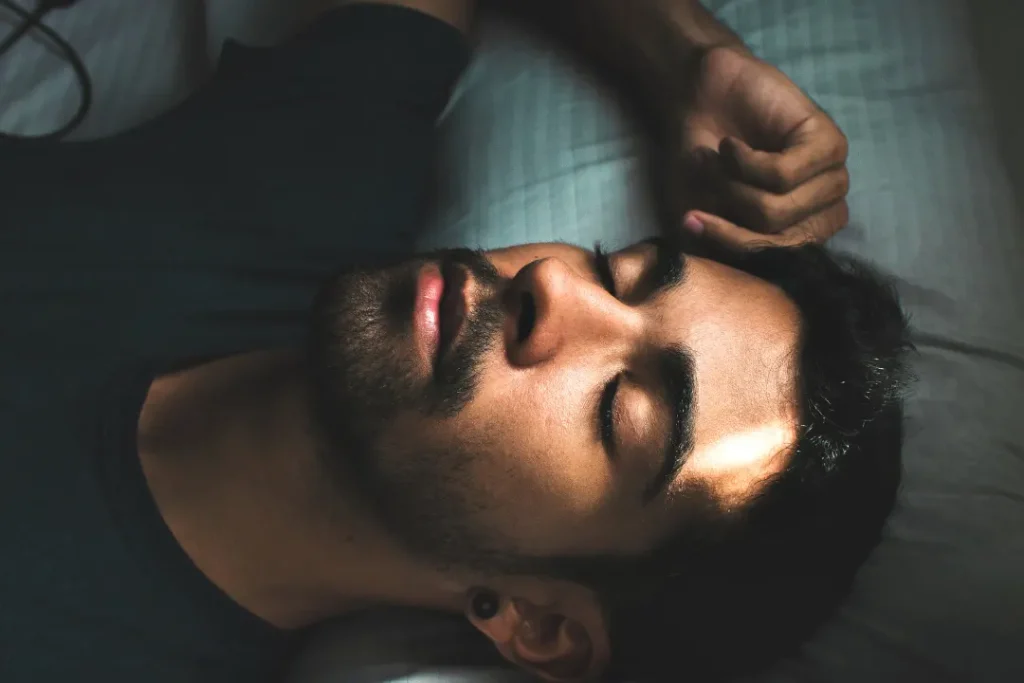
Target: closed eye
[{"x": 606, "y": 415}]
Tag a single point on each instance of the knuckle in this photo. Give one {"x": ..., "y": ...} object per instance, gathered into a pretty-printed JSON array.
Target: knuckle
[
  {"x": 802, "y": 234},
  {"x": 817, "y": 229},
  {"x": 842, "y": 215},
  {"x": 758, "y": 241},
  {"x": 843, "y": 183},
  {"x": 775, "y": 209},
  {"x": 842, "y": 145},
  {"x": 782, "y": 176},
  {"x": 823, "y": 225}
]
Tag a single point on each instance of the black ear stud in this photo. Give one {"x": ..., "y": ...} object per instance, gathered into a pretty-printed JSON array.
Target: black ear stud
[{"x": 485, "y": 604}]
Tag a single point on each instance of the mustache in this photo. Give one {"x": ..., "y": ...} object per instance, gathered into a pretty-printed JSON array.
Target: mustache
[
  {"x": 478, "y": 265},
  {"x": 458, "y": 374}
]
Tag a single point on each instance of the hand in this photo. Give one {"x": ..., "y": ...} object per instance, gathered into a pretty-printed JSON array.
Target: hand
[{"x": 758, "y": 153}]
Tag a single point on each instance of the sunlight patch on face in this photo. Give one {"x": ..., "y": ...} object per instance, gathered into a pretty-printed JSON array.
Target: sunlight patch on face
[{"x": 736, "y": 463}]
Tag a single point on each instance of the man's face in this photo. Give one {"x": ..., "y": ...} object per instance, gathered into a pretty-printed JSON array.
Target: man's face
[{"x": 530, "y": 402}]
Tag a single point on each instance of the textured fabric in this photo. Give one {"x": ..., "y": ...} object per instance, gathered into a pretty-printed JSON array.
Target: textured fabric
[
  {"x": 536, "y": 152},
  {"x": 142, "y": 58}
]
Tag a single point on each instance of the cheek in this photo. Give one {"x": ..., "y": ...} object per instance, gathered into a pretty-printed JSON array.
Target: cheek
[
  {"x": 543, "y": 436},
  {"x": 536, "y": 462}
]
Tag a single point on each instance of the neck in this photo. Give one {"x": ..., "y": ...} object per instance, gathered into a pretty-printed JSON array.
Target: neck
[{"x": 230, "y": 455}]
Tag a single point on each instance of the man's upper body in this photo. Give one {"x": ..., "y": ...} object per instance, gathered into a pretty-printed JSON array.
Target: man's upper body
[
  {"x": 202, "y": 234},
  {"x": 211, "y": 441}
]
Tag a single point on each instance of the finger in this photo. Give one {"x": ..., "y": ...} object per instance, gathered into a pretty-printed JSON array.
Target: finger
[
  {"x": 771, "y": 213},
  {"x": 819, "y": 227},
  {"x": 815, "y": 146},
  {"x": 698, "y": 133},
  {"x": 702, "y": 165},
  {"x": 695, "y": 182},
  {"x": 711, "y": 227}
]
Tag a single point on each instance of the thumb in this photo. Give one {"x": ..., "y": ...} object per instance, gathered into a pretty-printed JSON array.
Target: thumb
[{"x": 706, "y": 226}]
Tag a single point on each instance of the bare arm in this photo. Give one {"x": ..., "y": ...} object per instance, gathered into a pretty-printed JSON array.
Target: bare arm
[
  {"x": 458, "y": 13},
  {"x": 698, "y": 25},
  {"x": 644, "y": 49}
]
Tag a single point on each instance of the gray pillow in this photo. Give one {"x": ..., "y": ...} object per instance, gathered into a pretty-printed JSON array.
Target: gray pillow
[{"x": 536, "y": 151}]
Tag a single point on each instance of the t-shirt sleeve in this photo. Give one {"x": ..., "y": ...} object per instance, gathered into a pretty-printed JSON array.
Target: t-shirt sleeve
[
  {"x": 332, "y": 133},
  {"x": 350, "y": 67},
  {"x": 381, "y": 57}
]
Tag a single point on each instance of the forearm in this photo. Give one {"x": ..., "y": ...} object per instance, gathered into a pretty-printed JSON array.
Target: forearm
[
  {"x": 644, "y": 49},
  {"x": 697, "y": 25}
]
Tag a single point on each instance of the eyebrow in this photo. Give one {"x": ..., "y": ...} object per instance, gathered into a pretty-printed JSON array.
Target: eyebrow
[
  {"x": 678, "y": 378},
  {"x": 677, "y": 373}
]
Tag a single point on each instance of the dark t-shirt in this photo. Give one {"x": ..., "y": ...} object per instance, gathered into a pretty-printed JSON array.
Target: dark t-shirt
[{"x": 203, "y": 233}]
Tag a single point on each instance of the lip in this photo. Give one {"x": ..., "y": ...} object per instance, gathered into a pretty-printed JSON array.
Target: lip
[
  {"x": 440, "y": 309},
  {"x": 426, "y": 312}
]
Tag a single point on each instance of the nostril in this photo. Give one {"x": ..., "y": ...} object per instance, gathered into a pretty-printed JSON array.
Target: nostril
[{"x": 527, "y": 316}]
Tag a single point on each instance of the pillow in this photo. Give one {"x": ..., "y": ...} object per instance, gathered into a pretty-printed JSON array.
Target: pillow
[
  {"x": 536, "y": 151},
  {"x": 141, "y": 58}
]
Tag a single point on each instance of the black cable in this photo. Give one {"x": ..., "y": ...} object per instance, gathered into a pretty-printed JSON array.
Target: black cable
[
  {"x": 26, "y": 25},
  {"x": 33, "y": 20}
]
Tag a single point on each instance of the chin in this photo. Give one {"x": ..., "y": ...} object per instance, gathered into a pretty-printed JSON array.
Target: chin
[
  {"x": 360, "y": 360},
  {"x": 367, "y": 373}
]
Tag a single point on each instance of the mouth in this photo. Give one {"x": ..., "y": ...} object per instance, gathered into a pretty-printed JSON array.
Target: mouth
[{"x": 440, "y": 309}]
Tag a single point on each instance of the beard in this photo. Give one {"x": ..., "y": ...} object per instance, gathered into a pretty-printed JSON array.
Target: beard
[{"x": 365, "y": 372}]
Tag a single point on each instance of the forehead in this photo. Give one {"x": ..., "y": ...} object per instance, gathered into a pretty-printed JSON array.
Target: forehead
[{"x": 743, "y": 334}]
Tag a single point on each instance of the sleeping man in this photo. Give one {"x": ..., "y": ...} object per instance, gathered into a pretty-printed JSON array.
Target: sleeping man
[{"x": 664, "y": 460}]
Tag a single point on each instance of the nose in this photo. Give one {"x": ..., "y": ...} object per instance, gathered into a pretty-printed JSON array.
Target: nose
[{"x": 557, "y": 311}]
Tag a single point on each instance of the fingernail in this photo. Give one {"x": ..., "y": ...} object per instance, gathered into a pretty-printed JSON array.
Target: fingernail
[
  {"x": 693, "y": 224},
  {"x": 708, "y": 165},
  {"x": 705, "y": 155}
]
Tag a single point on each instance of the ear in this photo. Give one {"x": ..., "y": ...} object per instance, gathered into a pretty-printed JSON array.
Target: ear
[{"x": 558, "y": 633}]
